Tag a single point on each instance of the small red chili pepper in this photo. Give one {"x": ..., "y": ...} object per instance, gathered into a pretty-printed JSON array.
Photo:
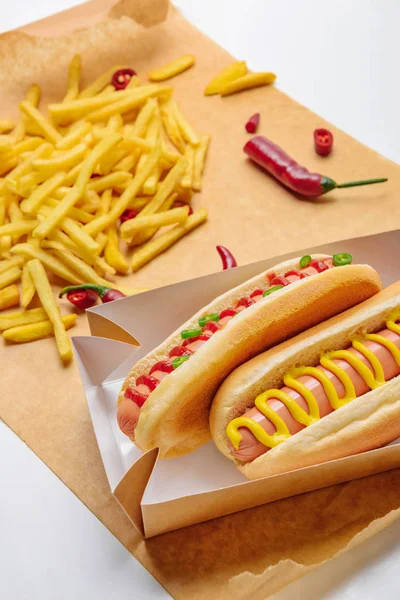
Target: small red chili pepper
[
  {"x": 253, "y": 123},
  {"x": 128, "y": 214},
  {"x": 179, "y": 203},
  {"x": 228, "y": 260},
  {"x": 82, "y": 298},
  {"x": 121, "y": 78},
  {"x": 323, "y": 142},
  {"x": 276, "y": 162},
  {"x": 106, "y": 294}
]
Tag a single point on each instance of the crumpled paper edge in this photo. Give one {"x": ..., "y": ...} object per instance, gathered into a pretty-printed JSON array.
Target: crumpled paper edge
[{"x": 276, "y": 577}]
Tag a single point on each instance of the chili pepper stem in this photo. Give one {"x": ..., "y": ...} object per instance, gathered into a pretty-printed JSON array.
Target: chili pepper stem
[{"x": 364, "y": 182}]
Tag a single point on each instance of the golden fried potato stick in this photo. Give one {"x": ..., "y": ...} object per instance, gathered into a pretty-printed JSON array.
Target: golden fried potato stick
[
  {"x": 199, "y": 160},
  {"x": 44, "y": 291},
  {"x": 69, "y": 158},
  {"x": 9, "y": 297},
  {"x": 5, "y": 143},
  {"x": 60, "y": 241},
  {"x": 144, "y": 144},
  {"x": 115, "y": 124},
  {"x": 49, "y": 132},
  {"x": 18, "y": 228},
  {"x": 15, "y": 261},
  {"x": 100, "y": 83},
  {"x": 148, "y": 251},
  {"x": 27, "y": 287},
  {"x": 15, "y": 215},
  {"x": 186, "y": 181},
  {"x": 171, "y": 126},
  {"x": 7, "y": 165},
  {"x": 105, "y": 206},
  {"x": 25, "y": 167},
  {"x": 184, "y": 127},
  {"x": 28, "y": 144},
  {"x": 139, "y": 202},
  {"x": 10, "y": 276},
  {"x": 76, "y": 133},
  {"x": 247, "y": 82},
  {"x": 31, "y": 205},
  {"x": 26, "y": 185},
  {"x": 32, "y": 97},
  {"x": 152, "y": 136},
  {"x": 112, "y": 253},
  {"x": 74, "y": 213},
  {"x": 137, "y": 97},
  {"x": 52, "y": 263},
  {"x": 6, "y": 125},
  {"x": 173, "y": 68},
  {"x": 161, "y": 219},
  {"x": 84, "y": 271},
  {"x": 74, "y": 230},
  {"x": 226, "y": 76},
  {"x": 25, "y": 317},
  {"x": 74, "y": 77},
  {"x": 5, "y": 245},
  {"x": 109, "y": 181},
  {"x": 88, "y": 165},
  {"x": 101, "y": 223},
  {"x": 30, "y": 333}
]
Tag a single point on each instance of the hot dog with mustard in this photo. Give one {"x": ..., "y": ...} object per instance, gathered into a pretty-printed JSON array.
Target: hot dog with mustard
[
  {"x": 165, "y": 400},
  {"x": 330, "y": 392}
]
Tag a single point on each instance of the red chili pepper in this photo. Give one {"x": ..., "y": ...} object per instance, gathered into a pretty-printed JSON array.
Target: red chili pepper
[
  {"x": 82, "y": 298},
  {"x": 121, "y": 78},
  {"x": 106, "y": 294},
  {"x": 323, "y": 142},
  {"x": 253, "y": 123},
  {"x": 128, "y": 214},
  {"x": 179, "y": 203},
  {"x": 228, "y": 260},
  {"x": 276, "y": 162}
]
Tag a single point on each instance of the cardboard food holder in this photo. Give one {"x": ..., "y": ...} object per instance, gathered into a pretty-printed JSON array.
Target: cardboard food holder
[{"x": 163, "y": 495}]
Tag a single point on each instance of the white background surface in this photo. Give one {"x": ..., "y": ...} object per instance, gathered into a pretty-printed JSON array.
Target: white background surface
[{"x": 340, "y": 59}]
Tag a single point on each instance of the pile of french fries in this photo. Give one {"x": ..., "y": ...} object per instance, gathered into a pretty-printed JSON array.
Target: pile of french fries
[{"x": 66, "y": 179}]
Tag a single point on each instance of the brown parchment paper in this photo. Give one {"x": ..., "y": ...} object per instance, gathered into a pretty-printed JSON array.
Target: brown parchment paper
[{"x": 249, "y": 554}]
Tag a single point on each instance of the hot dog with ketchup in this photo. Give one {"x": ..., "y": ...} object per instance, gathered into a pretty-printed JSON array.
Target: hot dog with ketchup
[
  {"x": 165, "y": 400},
  {"x": 330, "y": 392}
]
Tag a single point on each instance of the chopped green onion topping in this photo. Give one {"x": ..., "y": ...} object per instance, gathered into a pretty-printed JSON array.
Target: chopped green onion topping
[
  {"x": 189, "y": 333},
  {"x": 273, "y": 289},
  {"x": 344, "y": 258},
  {"x": 179, "y": 360},
  {"x": 305, "y": 261},
  {"x": 207, "y": 318}
]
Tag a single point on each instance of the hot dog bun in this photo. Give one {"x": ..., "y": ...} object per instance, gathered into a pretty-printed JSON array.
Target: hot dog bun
[
  {"x": 368, "y": 422},
  {"x": 175, "y": 416}
]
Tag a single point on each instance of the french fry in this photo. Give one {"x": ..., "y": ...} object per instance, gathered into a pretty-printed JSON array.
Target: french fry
[
  {"x": 102, "y": 222},
  {"x": 229, "y": 74},
  {"x": 73, "y": 229},
  {"x": 143, "y": 119},
  {"x": 107, "y": 90},
  {"x": 27, "y": 287},
  {"x": 173, "y": 68},
  {"x": 161, "y": 219},
  {"x": 5, "y": 143},
  {"x": 109, "y": 181},
  {"x": 144, "y": 144},
  {"x": 26, "y": 317},
  {"x": 37, "y": 331},
  {"x": 151, "y": 249},
  {"x": 8, "y": 165},
  {"x": 32, "y": 97},
  {"x": 115, "y": 124},
  {"x": 69, "y": 158},
  {"x": 84, "y": 271},
  {"x": 134, "y": 82},
  {"x": 152, "y": 135},
  {"x": 25, "y": 166},
  {"x": 72, "y": 176},
  {"x": 171, "y": 126},
  {"x": 106, "y": 199},
  {"x": 143, "y": 236},
  {"x": 199, "y": 160},
  {"x": 49, "y": 132},
  {"x": 112, "y": 253},
  {"x": 101, "y": 239},
  {"x": 6, "y": 125},
  {"x": 137, "y": 97},
  {"x": 52, "y": 263},
  {"x": 100, "y": 83},
  {"x": 15, "y": 214},
  {"x": 67, "y": 112},
  {"x": 9, "y": 297},
  {"x": 15, "y": 261},
  {"x": 18, "y": 228},
  {"x": 247, "y": 82},
  {"x": 186, "y": 181},
  {"x": 10, "y": 276},
  {"x": 64, "y": 241},
  {"x": 77, "y": 133},
  {"x": 77, "y": 191},
  {"x": 43, "y": 191},
  {"x": 184, "y": 127},
  {"x": 43, "y": 289},
  {"x": 74, "y": 76},
  {"x": 74, "y": 213},
  {"x": 139, "y": 202},
  {"x": 5, "y": 245},
  {"x": 28, "y": 144}
]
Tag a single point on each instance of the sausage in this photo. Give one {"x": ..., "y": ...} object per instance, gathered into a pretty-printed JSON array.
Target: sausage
[
  {"x": 128, "y": 416},
  {"x": 250, "y": 448}
]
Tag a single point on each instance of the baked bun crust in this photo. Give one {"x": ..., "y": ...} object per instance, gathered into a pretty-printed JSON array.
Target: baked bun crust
[
  {"x": 368, "y": 422},
  {"x": 175, "y": 416}
]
